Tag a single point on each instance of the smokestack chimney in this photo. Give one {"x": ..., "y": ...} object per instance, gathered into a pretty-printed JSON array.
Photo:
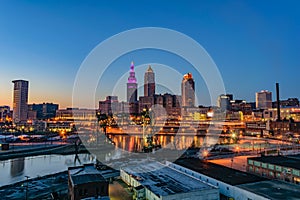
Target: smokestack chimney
[{"x": 278, "y": 102}]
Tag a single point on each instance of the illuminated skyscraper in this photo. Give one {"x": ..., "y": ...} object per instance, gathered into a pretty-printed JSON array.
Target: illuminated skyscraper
[
  {"x": 149, "y": 83},
  {"x": 131, "y": 86},
  {"x": 188, "y": 90},
  {"x": 20, "y": 100}
]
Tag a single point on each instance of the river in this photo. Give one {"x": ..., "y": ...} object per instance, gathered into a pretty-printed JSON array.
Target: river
[{"x": 15, "y": 170}]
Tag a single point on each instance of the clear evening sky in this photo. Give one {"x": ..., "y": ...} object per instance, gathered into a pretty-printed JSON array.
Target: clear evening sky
[{"x": 253, "y": 43}]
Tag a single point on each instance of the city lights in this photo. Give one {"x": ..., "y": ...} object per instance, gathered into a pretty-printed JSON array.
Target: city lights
[{"x": 202, "y": 104}]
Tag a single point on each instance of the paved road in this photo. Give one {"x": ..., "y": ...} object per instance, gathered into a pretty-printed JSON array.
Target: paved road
[
  {"x": 238, "y": 162},
  {"x": 40, "y": 150},
  {"x": 118, "y": 191}
]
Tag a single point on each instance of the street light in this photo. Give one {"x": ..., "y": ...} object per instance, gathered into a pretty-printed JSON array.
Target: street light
[
  {"x": 237, "y": 149},
  {"x": 204, "y": 154},
  {"x": 144, "y": 114},
  {"x": 26, "y": 190}
]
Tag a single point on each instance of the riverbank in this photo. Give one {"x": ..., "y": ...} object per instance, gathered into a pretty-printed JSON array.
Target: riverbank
[
  {"x": 64, "y": 149},
  {"x": 43, "y": 187}
]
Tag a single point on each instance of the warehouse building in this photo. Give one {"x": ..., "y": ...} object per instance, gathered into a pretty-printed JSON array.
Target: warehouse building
[
  {"x": 276, "y": 167},
  {"x": 156, "y": 181},
  {"x": 86, "y": 182},
  {"x": 234, "y": 184}
]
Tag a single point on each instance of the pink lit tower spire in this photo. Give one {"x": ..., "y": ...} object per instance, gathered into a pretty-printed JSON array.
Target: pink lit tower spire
[{"x": 132, "y": 86}]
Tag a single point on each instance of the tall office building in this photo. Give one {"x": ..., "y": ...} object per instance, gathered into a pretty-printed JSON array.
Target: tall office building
[
  {"x": 109, "y": 106},
  {"x": 224, "y": 101},
  {"x": 188, "y": 90},
  {"x": 149, "y": 83},
  {"x": 131, "y": 86},
  {"x": 263, "y": 99},
  {"x": 20, "y": 100}
]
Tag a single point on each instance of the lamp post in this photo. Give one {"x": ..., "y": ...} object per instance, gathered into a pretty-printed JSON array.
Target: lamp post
[
  {"x": 98, "y": 115},
  {"x": 237, "y": 148},
  {"x": 144, "y": 126},
  {"x": 26, "y": 190}
]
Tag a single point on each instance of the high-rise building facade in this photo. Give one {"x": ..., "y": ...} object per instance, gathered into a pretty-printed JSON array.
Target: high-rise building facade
[
  {"x": 44, "y": 110},
  {"x": 263, "y": 99},
  {"x": 131, "y": 86},
  {"x": 149, "y": 83},
  {"x": 20, "y": 101},
  {"x": 188, "y": 90},
  {"x": 109, "y": 106},
  {"x": 145, "y": 102},
  {"x": 224, "y": 101},
  {"x": 171, "y": 103}
]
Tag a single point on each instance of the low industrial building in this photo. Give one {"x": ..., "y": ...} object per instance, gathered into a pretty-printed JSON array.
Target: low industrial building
[
  {"x": 273, "y": 189},
  {"x": 234, "y": 184},
  {"x": 156, "y": 181},
  {"x": 86, "y": 182},
  {"x": 276, "y": 167}
]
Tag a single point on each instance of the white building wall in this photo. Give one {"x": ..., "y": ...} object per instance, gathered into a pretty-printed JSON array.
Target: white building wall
[
  {"x": 211, "y": 194},
  {"x": 128, "y": 179}
]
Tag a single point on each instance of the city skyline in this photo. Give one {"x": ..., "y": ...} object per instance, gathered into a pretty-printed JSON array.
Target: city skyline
[
  {"x": 141, "y": 85},
  {"x": 254, "y": 44},
  {"x": 152, "y": 99}
]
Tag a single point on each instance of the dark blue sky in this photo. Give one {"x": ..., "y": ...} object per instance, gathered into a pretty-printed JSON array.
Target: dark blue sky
[{"x": 253, "y": 43}]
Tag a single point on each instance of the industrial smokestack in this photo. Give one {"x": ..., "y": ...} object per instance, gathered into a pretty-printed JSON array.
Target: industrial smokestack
[{"x": 278, "y": 102}]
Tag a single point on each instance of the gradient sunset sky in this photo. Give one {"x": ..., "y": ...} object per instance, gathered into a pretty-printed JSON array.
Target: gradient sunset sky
[{"x": 253, "y": 43}]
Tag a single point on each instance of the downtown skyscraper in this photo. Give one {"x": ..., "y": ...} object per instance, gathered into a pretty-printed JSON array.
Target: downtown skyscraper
[
  {"x": 132, "y": 86},
  {"x": 20, "y": 101},
  {"x": 188, "y": 90},
  {"x": 149, "y": 83},
  {"x": 263, "y": 99}
]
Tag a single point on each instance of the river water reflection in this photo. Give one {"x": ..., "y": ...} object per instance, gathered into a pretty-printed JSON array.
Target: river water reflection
[
  {"x": 15, "y": 170},
  {"x": 133, "y": 143}
]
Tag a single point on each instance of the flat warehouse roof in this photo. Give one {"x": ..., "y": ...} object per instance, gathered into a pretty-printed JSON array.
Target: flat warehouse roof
[
  {"x": 274, "y": 189},
  {"x": 85, "y": 174},
  {"x": 218, "y": 172},
  {"x": 163, "y": 180}
]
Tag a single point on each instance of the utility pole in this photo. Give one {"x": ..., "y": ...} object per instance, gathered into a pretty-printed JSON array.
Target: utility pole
[{"x": 26, "y": 191}]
